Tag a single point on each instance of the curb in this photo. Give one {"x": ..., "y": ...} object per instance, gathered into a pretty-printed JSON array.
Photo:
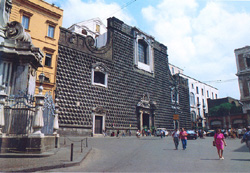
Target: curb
[{"x": 61, "y": 165}]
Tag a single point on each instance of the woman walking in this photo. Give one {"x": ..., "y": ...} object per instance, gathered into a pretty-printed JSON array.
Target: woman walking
[{"x": 220, "y": 142}]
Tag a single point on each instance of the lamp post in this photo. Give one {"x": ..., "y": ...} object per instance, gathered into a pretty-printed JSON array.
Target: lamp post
[
  {"x": 176, "y": 116},
  {"x": 41, "y": 80}
]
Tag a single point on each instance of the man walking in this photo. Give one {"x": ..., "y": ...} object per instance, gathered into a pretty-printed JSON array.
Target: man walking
[
  {"x": 183, "y": 137},
  {"x": 246, "y": 138},
  {"x": 175, "y": 136}
]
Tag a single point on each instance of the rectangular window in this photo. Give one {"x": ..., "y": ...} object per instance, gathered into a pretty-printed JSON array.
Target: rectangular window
[
  {"x": 172, "y": 70},
  {"x": 207, "y": 94},
  {"x": 215, "y": 96},
  {"x": 198, "y": 101},
  {"x": 25, "y": 22},
  {"x": 97, "y": 28},
  {"x": 48, "y": 59},
  {"x": 51, "y": 31},
  {"x": 197, "y": 90},
  {"x": 5, "y": 75},
  {"x": 248, "y": 62},
  {"x": 202, "y": 91},
  {"x": 212, "y": 95}
]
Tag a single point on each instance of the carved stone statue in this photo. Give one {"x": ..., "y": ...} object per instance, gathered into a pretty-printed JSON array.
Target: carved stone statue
[
  {"x": 5, "y": 9},
  {"x": 15, "y": 30}
]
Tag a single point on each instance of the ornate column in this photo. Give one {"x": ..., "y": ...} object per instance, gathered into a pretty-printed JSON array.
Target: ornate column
[
  {"x": 2, "y": 103},
  {"x": 141, "y": 120}
]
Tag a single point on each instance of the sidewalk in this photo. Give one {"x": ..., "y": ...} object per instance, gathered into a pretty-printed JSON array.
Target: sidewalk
[{"x": 57, "y": 158}]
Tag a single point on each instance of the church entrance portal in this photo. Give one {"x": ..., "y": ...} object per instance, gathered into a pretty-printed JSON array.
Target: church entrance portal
[{"x": 145, "y": 112}]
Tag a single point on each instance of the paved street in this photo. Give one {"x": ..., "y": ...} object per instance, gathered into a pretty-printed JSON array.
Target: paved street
[{"x": 153, "y": 154}]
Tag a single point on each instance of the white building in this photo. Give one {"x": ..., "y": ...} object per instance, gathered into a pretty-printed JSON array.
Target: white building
[
  {"x": 199, "y": 92},
  {"x": 93, "y": 27}
]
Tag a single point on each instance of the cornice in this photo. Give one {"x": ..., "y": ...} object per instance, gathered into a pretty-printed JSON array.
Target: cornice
[{"x": 41, "y": 8}]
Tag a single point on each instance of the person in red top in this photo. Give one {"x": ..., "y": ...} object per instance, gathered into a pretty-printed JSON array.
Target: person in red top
[{"x": 183, "y": 137}]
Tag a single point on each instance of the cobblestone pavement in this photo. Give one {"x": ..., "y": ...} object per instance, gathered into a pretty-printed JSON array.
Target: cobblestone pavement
[
  {"x": 53, "y": 159},
  {"x": 153, "y": 154}
]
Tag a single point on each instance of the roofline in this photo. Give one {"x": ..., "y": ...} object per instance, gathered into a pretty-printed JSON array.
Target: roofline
[
  {"x": 198, "y": 81},
  {"x": 176, "y": 66},
  {"x": 242, "y": 48}
]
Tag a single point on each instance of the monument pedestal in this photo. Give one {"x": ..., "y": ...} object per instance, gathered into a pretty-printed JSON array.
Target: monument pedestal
[{"x": 27, "y": 144}]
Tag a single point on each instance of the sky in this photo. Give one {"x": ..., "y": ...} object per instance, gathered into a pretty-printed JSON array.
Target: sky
[{"x": 201, "y": 35}]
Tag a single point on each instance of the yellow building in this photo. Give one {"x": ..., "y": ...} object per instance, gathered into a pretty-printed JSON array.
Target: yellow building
[{"x": 42, "y": 21}]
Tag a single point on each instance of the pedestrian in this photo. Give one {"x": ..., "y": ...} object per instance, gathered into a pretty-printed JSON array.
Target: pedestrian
[
  {"x": 220, "y": 142},
  {"x": 117, "y": 133},
  {"x": 246, "y": 138},
  {"x": 176, "y": 139},
  {"x": 183, "y": 137}
]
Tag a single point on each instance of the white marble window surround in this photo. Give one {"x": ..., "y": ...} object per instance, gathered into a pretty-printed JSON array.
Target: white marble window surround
[{"x": 149, "y": 63}]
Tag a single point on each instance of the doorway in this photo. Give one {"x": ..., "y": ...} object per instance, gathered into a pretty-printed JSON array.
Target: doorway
[
  {"x": 98, "y": 124},
  {"x": 146, "y": 121}
]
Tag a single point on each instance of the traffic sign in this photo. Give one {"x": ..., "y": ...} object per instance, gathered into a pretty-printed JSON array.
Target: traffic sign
[{"x": 176, "y": 117}]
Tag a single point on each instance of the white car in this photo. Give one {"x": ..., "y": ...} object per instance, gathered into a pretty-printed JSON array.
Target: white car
[{"x": 160, "y": 130}]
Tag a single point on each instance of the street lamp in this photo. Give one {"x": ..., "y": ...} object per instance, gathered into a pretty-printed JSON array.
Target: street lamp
[{"x": 41, "y": 80}]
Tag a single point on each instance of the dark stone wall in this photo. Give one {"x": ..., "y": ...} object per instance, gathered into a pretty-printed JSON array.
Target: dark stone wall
[{"x": 126, "y": 83}]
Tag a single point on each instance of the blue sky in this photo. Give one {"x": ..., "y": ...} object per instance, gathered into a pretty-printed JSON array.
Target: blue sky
[{"x": 201, "y": 35}]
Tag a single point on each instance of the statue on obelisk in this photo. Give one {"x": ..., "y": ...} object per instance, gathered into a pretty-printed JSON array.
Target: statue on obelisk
[{"x": 5, "y": 9}]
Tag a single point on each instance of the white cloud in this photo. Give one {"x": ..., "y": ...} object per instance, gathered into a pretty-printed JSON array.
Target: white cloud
[
  {"x": 76, "y": 11},
  {"x": 202, "y": 41}
]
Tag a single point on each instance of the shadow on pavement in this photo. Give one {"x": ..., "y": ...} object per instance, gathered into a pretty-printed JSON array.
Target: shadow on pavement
[
  {"x": 241, "y": 160},
  {"x": 210, "y": 159},
  {"x": 243, "y": 148}
]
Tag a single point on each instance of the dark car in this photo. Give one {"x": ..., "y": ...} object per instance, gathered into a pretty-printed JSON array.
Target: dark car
[
  {"x": 210, "y": 133},
  {"x": 191, "y": 134}
]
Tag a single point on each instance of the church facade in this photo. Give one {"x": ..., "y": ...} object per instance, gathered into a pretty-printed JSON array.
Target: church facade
[{"x": 125, "y": 85}]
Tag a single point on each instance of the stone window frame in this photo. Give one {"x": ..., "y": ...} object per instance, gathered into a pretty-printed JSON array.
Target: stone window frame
[
  {"x": 149, "y": 52},
  {"x": 27, "y": 15},
  {"x": 50, "y": 52},
  {"x": 48, "y": 56},
  {"x": 53, "y": 25},
  {"x": 99, "y": 67}
]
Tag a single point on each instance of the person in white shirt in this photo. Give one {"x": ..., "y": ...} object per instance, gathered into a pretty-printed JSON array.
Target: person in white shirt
[{"x": 176, "y": 139}]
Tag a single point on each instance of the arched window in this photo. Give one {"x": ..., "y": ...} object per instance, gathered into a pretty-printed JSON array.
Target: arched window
[{"x": 192, "y": 100}]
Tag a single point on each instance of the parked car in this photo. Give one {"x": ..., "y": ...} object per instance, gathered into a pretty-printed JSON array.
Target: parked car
[
  {"x": 160, "y": 130},
  {"x": 191, "y": 134},
  {"x": 210, "y": 133}
]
